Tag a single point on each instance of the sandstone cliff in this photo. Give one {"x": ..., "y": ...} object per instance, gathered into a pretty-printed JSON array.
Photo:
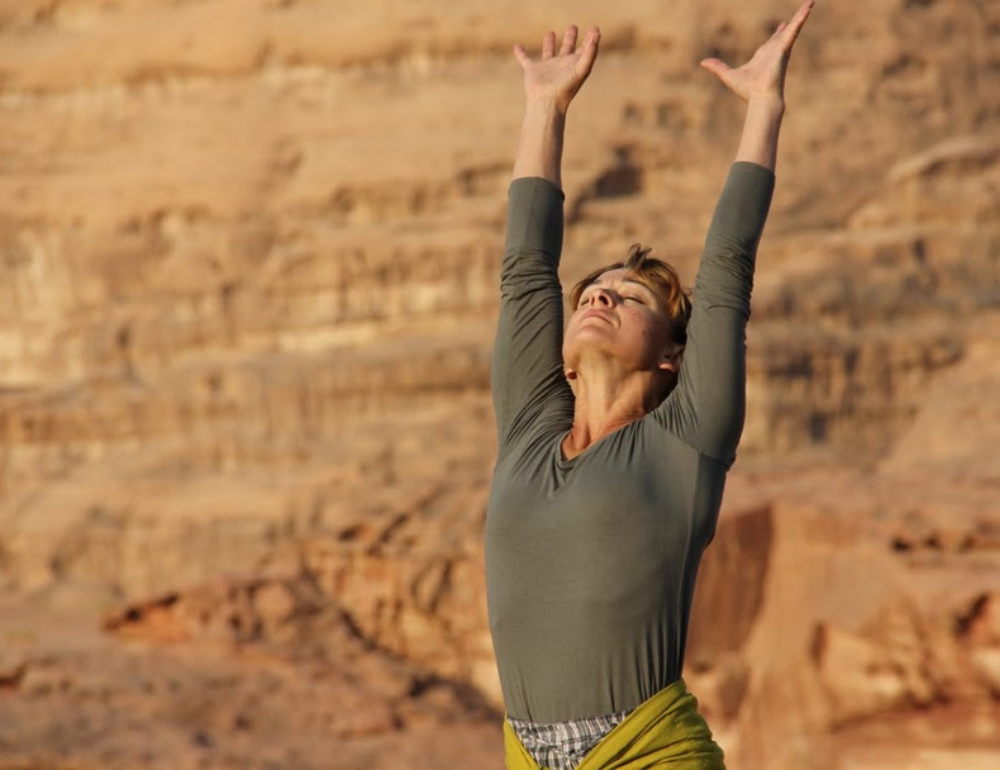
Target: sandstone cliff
[{"x": 248, "y": 278}]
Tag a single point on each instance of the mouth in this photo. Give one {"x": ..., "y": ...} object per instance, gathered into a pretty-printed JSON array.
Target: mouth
[{"x": 596, "y": 314}]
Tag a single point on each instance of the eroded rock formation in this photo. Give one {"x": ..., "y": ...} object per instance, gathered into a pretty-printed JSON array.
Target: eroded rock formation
[{"x": 248, "y": 277}]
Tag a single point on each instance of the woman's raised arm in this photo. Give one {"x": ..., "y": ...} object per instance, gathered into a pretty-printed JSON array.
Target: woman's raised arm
[
  {"x": 761, "y": 84},
  {"x": 527, "y": 373},
  {"x": 707, "y": 407},
  {"x": 550, "y": 83}
]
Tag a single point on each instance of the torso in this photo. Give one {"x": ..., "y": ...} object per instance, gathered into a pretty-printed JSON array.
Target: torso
[{"x": 591, "y": 557}]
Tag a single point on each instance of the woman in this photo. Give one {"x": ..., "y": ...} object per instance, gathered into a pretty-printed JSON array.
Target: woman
[{"x": 615, "y": 437}]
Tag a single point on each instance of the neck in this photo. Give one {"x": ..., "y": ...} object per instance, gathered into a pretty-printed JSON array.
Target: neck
[{"x": 605, "y": 403}]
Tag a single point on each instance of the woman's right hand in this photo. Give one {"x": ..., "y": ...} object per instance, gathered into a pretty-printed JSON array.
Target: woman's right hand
[{"x": 557, "y": 77}]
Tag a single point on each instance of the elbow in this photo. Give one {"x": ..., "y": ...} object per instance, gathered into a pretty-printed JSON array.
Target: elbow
[{"x": 722, "y": 433}]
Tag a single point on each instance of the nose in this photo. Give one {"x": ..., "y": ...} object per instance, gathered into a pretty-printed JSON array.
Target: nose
[{"x": 601, "y": 297}]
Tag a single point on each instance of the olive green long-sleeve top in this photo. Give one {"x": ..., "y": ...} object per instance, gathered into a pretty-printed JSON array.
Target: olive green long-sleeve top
[{"x": 591, "y": 562}]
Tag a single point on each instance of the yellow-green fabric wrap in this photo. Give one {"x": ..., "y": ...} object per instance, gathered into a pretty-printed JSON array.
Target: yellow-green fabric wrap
[{"x": 666, "y": 731}]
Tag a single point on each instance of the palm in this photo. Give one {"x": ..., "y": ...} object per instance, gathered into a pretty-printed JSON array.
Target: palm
[
  {"x": 558, "y": 76},
  {"x": 554, "y": 76},
  {"x": 765, "y": 72}
]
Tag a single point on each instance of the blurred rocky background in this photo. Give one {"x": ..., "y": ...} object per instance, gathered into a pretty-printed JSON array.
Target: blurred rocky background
[{"x": 248, "y": 281}]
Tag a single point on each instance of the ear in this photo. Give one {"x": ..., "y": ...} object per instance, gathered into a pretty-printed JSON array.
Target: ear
[{"x": 671, "y": 359}]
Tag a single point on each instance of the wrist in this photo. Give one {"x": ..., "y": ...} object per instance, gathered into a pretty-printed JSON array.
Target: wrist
[
  {"x": 763, "y": 101},
  {"x": 547, "y": 106}
]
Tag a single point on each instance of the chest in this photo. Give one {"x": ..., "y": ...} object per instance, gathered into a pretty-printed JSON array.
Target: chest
[{"x": 626, "y": 495}]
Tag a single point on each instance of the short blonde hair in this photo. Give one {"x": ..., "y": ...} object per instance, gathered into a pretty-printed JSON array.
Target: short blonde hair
[{"x": 658, "y": 277}]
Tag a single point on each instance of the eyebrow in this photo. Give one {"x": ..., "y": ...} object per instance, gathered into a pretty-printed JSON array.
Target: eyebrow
[{"x": 624, "y": 280}]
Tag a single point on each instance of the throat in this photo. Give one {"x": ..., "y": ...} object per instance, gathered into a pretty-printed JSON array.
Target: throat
[
  {"x": 569, "y": 448},
  {"x": 579, "y": 440}
]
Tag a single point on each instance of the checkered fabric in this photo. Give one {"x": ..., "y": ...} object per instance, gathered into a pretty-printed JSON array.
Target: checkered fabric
[{"x": 563, "y": 745}]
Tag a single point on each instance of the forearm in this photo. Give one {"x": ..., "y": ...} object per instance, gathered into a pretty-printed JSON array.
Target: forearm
[
  {"x": 539, "y": 151},
  {"x": 707, "y": 408},
  {"x": 759, "y": 141}
]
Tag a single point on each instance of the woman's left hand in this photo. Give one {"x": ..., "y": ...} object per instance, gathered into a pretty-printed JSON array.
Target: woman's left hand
[{"x": 764, "y": 74}]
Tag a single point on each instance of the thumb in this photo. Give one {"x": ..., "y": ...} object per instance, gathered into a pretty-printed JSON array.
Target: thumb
[
  {"x": 521, "y": 55},
  {"x": 716, "y": 66}
]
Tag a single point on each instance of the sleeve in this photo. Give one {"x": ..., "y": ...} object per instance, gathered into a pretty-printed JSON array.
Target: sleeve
[
  {"x": 706, "y": 409},
  {"x": 527, "y": 376}
]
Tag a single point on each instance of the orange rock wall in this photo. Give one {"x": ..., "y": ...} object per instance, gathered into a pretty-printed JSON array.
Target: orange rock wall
[{"x": 248, "y": 278}]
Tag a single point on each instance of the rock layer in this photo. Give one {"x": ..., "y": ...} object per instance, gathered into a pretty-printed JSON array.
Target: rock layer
[{"x": 248, "y": 280}]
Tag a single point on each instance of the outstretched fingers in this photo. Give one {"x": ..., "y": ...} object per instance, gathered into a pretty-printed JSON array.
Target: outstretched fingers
[
  {"x": 569, "y": 40},
  {"x": 790, "y": 31},
  {"x": 584, "y": 56},
  {"x": 548, "y": 45},
  {"x": 588, "y": 54}
]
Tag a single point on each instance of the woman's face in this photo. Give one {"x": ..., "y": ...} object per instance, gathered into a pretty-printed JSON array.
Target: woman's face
[{"x": 620, "y": 318}]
